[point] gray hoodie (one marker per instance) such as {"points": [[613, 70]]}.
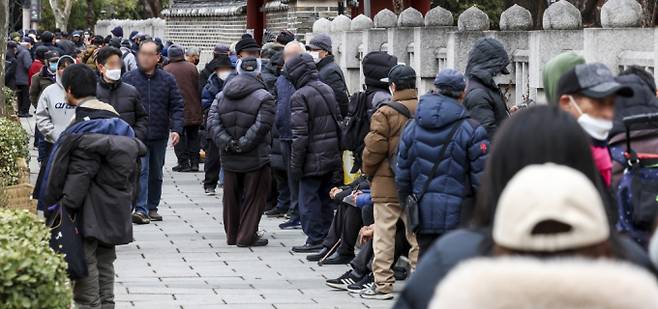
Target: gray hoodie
{"points": [[53, 114]]}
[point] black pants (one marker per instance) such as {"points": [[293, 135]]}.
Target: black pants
{"points": [[23, 95], [187, 150], [345, 226], [211, 166], [244, 203], [283, 190], [425, 242], [362, 262], [293, 184], [315, 207]]}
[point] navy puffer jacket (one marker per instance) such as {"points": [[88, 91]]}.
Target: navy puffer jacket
{"points": [[162, 101], [315, 144], [458, 175]]}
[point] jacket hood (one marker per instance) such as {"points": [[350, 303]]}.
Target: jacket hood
{"points": [[643, 101], [486, 59], [301, 70], [436, 111], [242, 85], [376, 66], [554, 69], [521, 282]]}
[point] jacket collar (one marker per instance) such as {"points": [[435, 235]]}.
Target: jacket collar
{"points": [[93, 103], [155, 73], [324, 61], [105, 84], [406, 94]]}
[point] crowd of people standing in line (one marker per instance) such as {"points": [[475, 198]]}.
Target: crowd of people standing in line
{"points": [[418, 182]]}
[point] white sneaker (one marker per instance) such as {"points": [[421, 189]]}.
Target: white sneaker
{"points": [[371, 293]]}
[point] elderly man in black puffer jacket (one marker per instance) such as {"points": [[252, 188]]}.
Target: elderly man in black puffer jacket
{"points": [[125, 98], [239, 122], [315, 155]]}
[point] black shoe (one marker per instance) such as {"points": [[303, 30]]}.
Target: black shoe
{"points": [[336, 259], [275, 213], [259, 242], [318, 256], [193, 168], [400, 273], [153, 214], [140, 218], [342, 282], [292, 224], [307, 248], [366, 282], [178, 168], [24, 116], [210, 191]]}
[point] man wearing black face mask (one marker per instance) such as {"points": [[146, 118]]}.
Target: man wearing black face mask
{"points": [[588, 93]]}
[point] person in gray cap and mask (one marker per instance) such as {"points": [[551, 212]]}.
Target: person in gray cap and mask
{"points": [[329, 72], [239, 122]]}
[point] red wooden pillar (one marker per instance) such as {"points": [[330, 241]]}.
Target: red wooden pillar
{"points": [[255, 18], [422, 5]]}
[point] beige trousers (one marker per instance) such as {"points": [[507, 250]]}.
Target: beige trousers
{"points": [[386, 217]]}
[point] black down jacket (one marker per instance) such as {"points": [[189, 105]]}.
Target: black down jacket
{"points": [[96, 177], [484, 100], [239, 121], [331, 75], [315, 115], [126, 100]]}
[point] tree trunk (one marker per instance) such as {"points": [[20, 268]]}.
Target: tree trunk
{"points": [[648, 12], [61, 11], [155, 6], [147, 9], [90, 14], [4, 23]]}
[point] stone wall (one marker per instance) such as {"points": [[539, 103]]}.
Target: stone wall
{"points": [[153, 26], [433, 42]]}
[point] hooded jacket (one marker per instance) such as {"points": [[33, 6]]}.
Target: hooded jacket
{"points": [[381, 144], [332, 75], [243, 113], [644, 137], [126, 101], [161, 100], [315, 115], [484, 100], [458, 174], [40, 82], [93, 171], [187, 80], [269, 75], [53, 113], [523, 282]]}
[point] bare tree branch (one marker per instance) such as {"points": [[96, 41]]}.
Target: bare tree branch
{"points": [[62, 11]]}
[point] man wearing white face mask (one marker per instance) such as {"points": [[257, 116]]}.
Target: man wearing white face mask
{"points": [[123, 97], [320, 49], [588, 93]]}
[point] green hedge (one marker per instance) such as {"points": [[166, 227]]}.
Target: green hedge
{"points": [[10, 100], [13, 145], [31, 274]]}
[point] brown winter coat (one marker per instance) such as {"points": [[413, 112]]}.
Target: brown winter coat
{"points": [[381, 143], [187, 79], [89, 56], [521, 282], [38, 84]]}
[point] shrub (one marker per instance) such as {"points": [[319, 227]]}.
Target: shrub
{"points": [[13, 145], [10, 100], [31, 274]]}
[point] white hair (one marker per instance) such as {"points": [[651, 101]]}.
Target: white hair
{"points": [[193, 51], [296, 45]]}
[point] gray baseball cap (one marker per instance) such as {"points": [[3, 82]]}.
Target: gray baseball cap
{"points": [[593, 80]]}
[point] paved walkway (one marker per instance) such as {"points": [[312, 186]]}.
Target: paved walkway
{"points": [[184, 261]]}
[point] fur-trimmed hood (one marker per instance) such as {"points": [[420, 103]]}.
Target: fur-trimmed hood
{"points": [[517, 282]]}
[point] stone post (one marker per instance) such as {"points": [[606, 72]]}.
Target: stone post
{"points": [[374, 39], [401, 38], [620, 43], [430, 45], [471, 25], [339, 25], [562, 32]]}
